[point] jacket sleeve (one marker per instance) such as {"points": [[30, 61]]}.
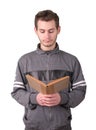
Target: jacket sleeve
{"points": [[20, 93], [78, 87]]}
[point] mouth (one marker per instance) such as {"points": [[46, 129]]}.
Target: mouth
{"points": [[47, 41]]}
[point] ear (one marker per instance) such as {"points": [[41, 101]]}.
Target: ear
{"points": [[35, 29], [59, 29]]}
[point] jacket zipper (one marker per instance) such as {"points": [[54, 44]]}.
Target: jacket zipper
{"points": [[48, 56]]}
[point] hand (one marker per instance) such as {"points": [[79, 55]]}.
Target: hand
{"points": [[49, 99]]}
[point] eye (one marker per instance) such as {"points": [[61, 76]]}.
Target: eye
{"points": [[51, 30], [42, 31]]}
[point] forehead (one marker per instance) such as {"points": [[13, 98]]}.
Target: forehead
{"points": [[46, 24]]}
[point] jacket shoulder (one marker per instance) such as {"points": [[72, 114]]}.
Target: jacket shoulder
{"points": [[68, 56], [26, 56]]}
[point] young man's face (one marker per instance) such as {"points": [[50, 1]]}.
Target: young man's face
{"points": [[47, 34]]}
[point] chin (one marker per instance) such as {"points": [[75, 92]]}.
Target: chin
{"points": [[48, 44]]}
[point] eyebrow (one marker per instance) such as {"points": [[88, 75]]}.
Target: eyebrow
{"points": [[48, 29]]}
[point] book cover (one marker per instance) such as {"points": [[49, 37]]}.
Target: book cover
{"points": [[50, 88]]}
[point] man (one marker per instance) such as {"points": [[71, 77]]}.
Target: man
{"points": [[46, 63]]}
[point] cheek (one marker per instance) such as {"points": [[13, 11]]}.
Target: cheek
{"points": [[40, 36], [54, 35]]}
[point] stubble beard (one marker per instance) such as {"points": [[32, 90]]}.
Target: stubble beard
{"points": [[49, 44]]}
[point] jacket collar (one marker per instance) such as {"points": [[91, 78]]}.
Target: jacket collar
{"points": [[39, 51]]}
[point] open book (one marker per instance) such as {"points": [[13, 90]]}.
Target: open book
{"points": [[50, 88]]}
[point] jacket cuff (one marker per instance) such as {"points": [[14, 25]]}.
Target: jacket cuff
{"points": [[64, 98], [32, 98]]}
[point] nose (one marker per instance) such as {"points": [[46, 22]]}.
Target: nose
{"points": [[47, 35]]}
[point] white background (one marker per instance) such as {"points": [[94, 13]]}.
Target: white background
{"points": [[17, 37]]}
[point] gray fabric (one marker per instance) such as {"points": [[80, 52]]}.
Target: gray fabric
{"points": [[47, 66], [67, 127]]}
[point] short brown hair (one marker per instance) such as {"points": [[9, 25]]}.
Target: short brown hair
{"points": [[46, 15]]}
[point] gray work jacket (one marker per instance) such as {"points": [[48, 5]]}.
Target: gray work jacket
{"points": [[47, 66]]}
